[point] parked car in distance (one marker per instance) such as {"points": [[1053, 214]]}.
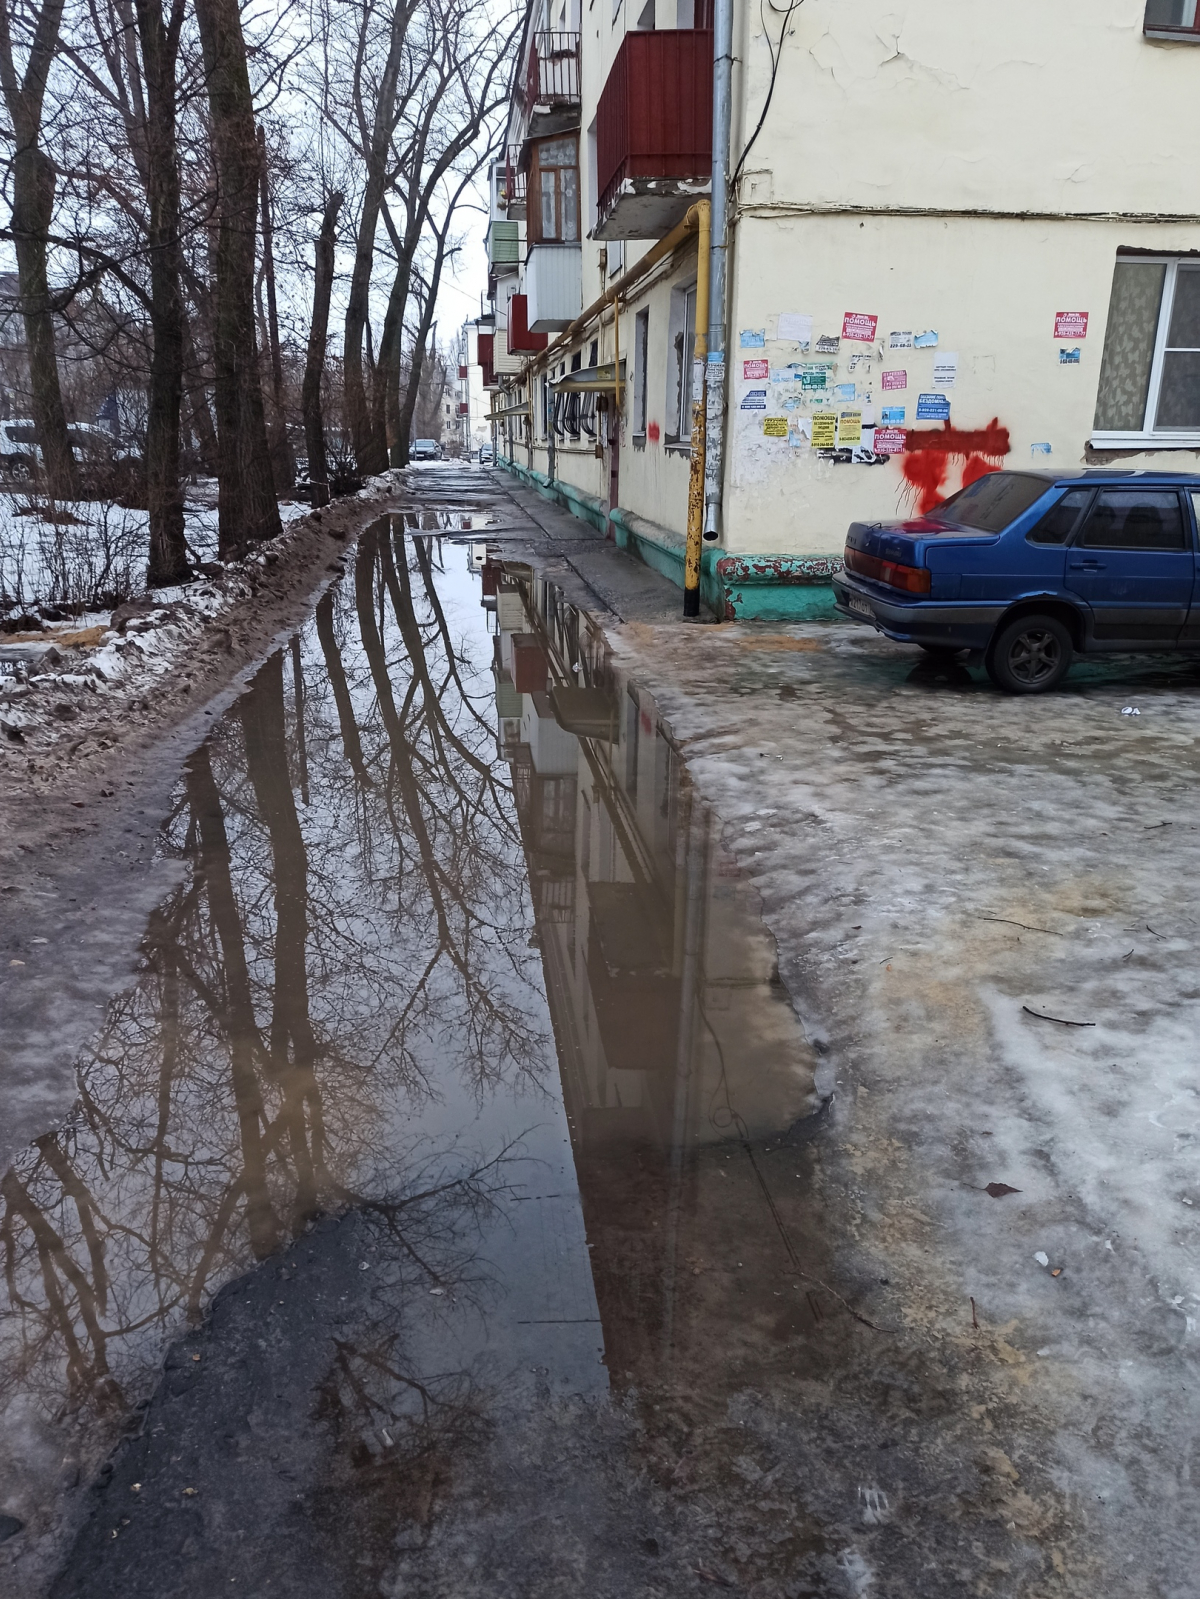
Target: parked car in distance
{"points": [[425, 450], [19, 452], [1033, 568], [485, 455]]}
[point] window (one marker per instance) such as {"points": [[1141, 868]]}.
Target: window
{"points": [[993, 502], [1166, 18], [641, 351], [1150, 374], [1059, 521], [683, 347], [554, 217], [1135, 519]]}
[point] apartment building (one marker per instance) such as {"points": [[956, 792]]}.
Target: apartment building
{"points": [[955, 240]]}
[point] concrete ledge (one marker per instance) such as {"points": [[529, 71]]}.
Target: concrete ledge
{"points": [[769, 588]]}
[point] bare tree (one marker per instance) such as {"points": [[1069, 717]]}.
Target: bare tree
{"points": [[34, 179], [318, 339], [248, 510]]}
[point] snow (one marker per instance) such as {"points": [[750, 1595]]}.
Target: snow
{"points": [[936, 861]]}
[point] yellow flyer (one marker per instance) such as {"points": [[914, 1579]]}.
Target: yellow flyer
{"points": [[850, 427], [824, 430]]}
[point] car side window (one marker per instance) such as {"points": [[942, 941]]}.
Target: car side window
{"points": [[1135, 519], [1059, 521]]}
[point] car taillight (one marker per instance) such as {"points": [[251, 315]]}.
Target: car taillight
{"points": [[912, 579]]}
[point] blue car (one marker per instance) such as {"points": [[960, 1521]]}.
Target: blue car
{"points": [[1032, 568]]}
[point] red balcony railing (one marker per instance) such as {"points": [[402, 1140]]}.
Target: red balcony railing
{"points": [[552, 76], [519, 336], [514, 179], [654, 119], [485, 360]]}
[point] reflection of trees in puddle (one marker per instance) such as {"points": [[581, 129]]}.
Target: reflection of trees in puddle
{"points": [[322, 972]]}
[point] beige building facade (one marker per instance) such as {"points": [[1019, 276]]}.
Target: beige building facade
{"points": [[956, 241]]}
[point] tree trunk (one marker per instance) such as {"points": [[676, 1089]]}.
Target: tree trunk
{"points": [[385, 409], [283, 461], [405, 420], [164, 490], [197, 396], [32, 213], [314, 366], [248, 511], [367, 451]]}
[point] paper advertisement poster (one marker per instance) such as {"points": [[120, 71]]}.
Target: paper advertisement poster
{"points": [[850, 427], [785, 374], [1071, 324], [945, 371], [900, 341], [893, 416], [824, 430], [755, 400], [860, 326], [755, 369], [775, 427], [814, 377], [844, 393], [897, 378], [828, 344], [925, 341], [1069, 357], [889, 440], [753, 338], [933, 407], [794, 326]]}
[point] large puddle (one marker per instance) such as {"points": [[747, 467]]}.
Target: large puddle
{"points": [[459, 1009]]}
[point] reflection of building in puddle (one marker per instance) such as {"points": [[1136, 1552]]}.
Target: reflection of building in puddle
{"points": [[675, 1034]]}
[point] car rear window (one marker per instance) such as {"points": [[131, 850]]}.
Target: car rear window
{"points": [[1059, 521], [991, 503]]}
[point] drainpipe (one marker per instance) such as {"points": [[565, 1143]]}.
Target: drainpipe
{"points": [[716, 369], [695, 519]]}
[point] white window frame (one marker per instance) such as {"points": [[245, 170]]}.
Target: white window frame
{"points": [[641, 376], [1156, 438]]}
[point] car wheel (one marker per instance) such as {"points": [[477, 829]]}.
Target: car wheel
{"points": [[941, 652], [1030, 655]]}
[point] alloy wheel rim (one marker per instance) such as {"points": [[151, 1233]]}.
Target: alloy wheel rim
{"points": [[1034, 656]]}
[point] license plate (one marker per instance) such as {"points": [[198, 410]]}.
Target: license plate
{"points": [[860, 606]]}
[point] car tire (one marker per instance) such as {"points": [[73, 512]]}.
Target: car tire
{"points": [[942, 652], [1031, 655]]}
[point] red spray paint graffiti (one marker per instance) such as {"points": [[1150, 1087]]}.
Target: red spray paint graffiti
{"points": [[930, 452]]}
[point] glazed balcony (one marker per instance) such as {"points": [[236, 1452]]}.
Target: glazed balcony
{"points": [[654, 133]]}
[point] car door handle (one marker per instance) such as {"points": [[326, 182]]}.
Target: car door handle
{"points": [[1087, 566]]}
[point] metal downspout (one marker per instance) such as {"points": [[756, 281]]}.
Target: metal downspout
{"points": [[716, 367], [695, 519]]}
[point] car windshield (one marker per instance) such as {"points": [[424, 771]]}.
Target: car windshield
{"points": [[991, 503]]}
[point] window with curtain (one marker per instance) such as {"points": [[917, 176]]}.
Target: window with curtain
{"points": [[1150, 372], [555, 215]]}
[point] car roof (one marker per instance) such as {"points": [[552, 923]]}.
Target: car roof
{"points": [[1108, 474]]}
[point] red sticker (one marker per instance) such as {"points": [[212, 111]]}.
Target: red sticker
{"points": [[755, 369], [1070, 324], [896, 379], [889, 441], [858, 325]]}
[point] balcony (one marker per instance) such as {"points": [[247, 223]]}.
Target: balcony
{"points": [[513, 184], [654, 133], [553, 286], [552, 84], [519, 336], [504, 246]]}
